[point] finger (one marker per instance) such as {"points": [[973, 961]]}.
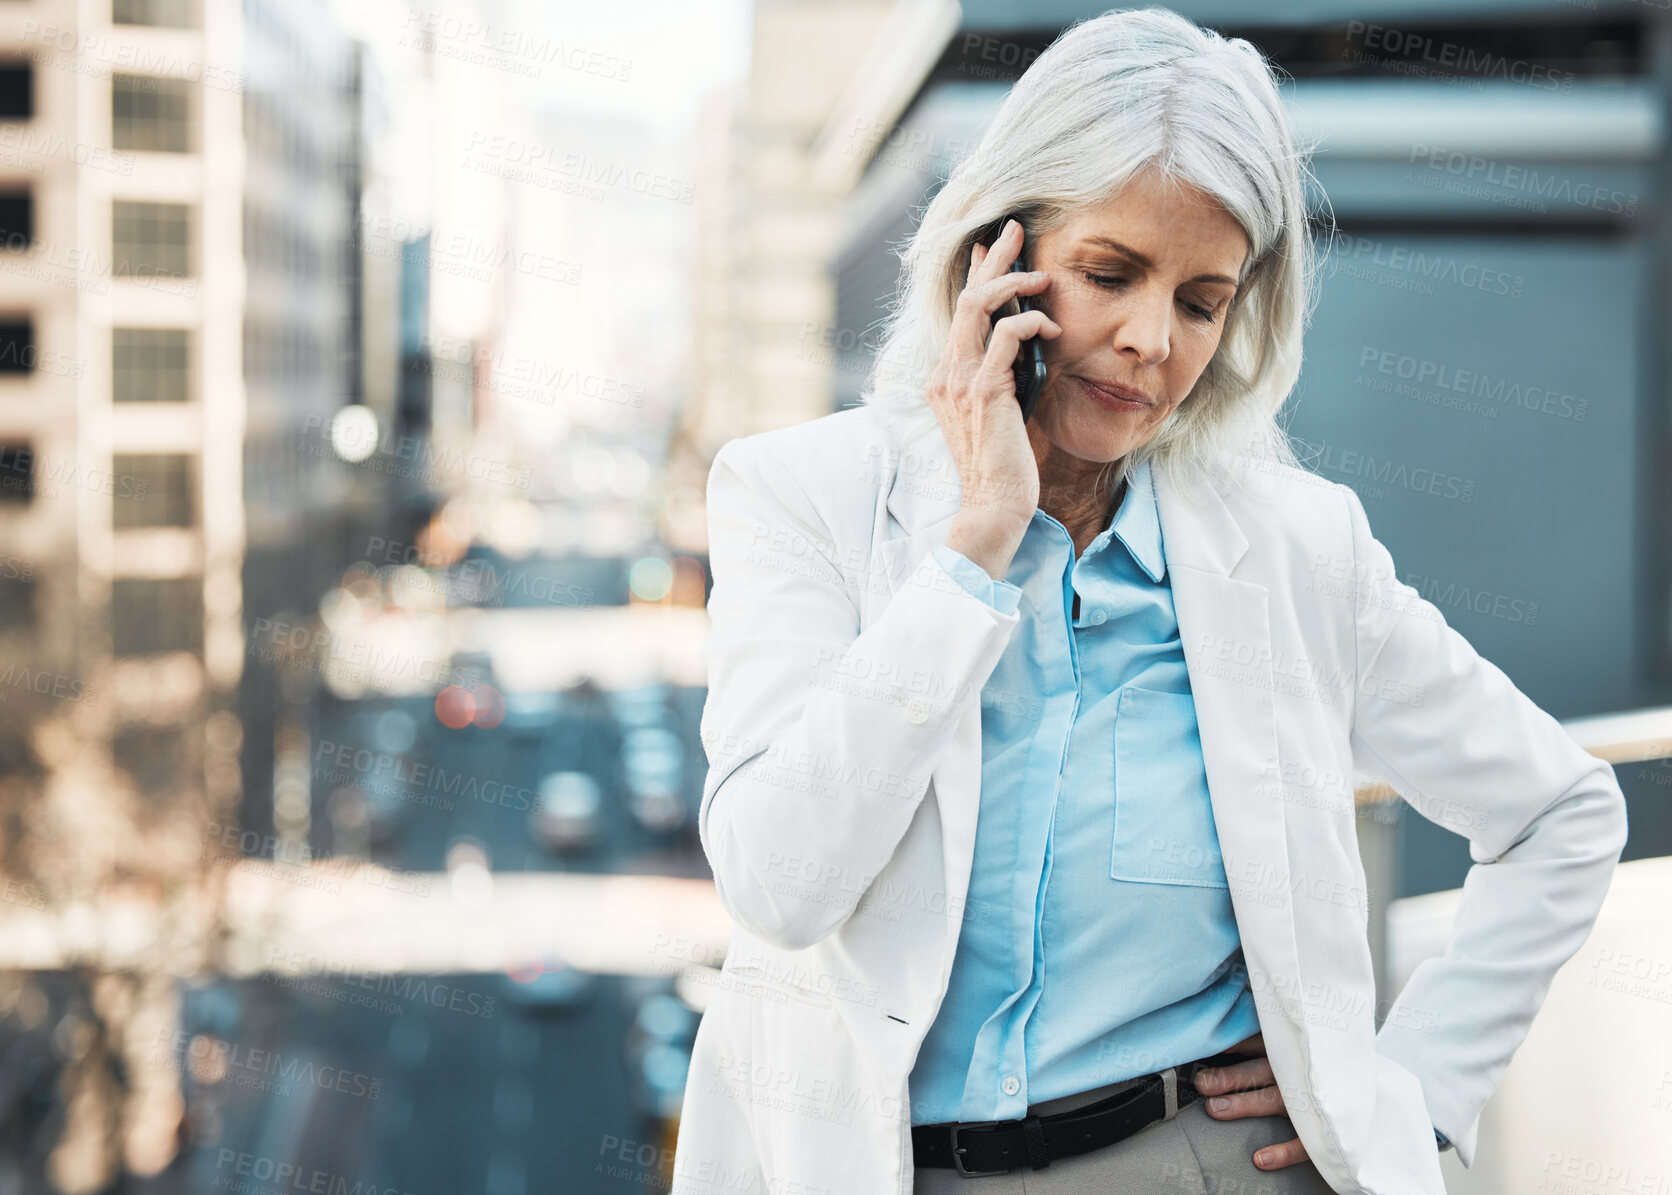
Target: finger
{"points": [[996, 259], [1275, 1157], [972, 318], [980, 301], [967, 338], [994, 373], [1009, 332], [1267, 1101], [996, 292], [1250, 1045], [1024, 324], [1239, 1076]]}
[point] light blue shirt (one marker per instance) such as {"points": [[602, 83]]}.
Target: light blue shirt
{"points": [[1098, 939]]}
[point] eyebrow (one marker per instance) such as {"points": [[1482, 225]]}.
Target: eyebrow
{"points": [[1140, 260]]}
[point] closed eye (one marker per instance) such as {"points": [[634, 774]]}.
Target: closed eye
{"points": [[1111, 282]]}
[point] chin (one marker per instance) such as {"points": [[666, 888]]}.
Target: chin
{"points": [[1101, 444], [1092, 433]]}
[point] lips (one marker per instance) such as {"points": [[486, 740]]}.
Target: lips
{"points": [[1119, 392]]}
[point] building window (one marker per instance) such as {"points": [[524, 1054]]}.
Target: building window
{"points": [[151, 113], [17, 220], [17, 90], [150, 239], [153, 490], [17, 595], [17, 346], [170, 14], [17, 473], [156, 614], [150, 365]]}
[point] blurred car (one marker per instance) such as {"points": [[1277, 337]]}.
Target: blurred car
{"points": [[653, 761], [568, 814], [551, 985]]}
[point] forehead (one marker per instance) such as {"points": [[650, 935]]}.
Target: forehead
{"points": [[1172, 223]]}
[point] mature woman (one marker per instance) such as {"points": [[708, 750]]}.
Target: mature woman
{"points": [[1033, 745]]}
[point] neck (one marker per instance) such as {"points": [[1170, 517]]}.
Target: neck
{"points": [[1076, 493]]}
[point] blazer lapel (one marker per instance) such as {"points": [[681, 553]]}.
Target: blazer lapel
{"points": [[1226, 633]]}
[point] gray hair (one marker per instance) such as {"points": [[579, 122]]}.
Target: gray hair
{"points": [[1115, 94]]}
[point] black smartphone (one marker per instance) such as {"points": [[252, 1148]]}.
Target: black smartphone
{"points": [[1029, 367]]}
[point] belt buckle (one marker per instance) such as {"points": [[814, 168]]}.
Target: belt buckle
{"points": [[958, 1159]]}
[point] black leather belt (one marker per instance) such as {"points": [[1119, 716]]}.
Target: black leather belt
{"points": [[998, 1147]]}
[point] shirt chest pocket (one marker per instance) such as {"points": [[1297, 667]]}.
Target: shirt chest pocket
{"points": [[1164, 831]]}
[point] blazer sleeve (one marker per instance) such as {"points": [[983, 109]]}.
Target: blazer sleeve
{"points": [[1001, 595], [820, 738], [1545, 820]]}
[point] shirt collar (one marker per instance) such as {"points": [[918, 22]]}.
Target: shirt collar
{"points": [[1138, 524]]}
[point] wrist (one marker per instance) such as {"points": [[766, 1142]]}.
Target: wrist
{"points": [[987, 540]]}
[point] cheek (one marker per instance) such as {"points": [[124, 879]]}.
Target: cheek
{"points": [[1202, 350], [1087, 315], [1080, 334]]}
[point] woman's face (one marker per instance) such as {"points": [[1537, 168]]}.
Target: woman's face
{"points": [[1139, 285]]}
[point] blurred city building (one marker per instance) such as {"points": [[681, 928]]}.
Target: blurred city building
{"points": [[123, 511], [124, 516], [319, 319], [769, 223], [186, 299]]}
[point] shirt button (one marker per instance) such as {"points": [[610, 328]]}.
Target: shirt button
{"points": [[1099, 617], [917, 711], [1011, 1086]]}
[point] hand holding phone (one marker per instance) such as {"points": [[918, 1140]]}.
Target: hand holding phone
{"points": [[998, 471], [1029, 367]]}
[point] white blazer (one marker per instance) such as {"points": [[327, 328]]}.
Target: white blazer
{"points": [[843, 731]]}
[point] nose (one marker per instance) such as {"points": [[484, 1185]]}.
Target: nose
{"points": [[1145, 333]]}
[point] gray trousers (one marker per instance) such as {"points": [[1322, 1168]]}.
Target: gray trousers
{"points": [[1189, 1153]]}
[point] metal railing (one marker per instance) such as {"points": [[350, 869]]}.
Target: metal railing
{"points": [[1630, 736]]}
